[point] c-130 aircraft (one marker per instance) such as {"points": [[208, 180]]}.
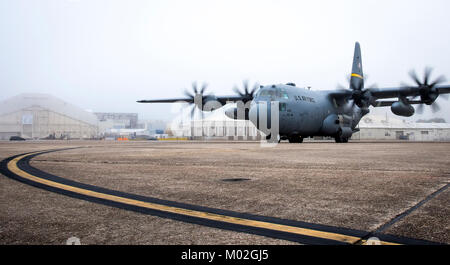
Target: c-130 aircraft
{"points": [[306, 113]]}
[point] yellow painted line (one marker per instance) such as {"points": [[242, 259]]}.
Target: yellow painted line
{"points": [[12, 166], [356, 75]]}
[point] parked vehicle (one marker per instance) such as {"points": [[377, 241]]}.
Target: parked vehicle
{"points": [[16, 138]]}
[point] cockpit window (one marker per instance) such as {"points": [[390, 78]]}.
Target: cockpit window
{"points": [[267, 92], [274, 93]]}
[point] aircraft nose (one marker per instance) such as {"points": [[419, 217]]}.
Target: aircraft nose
{"points": [[259, 115], [253, 114]]}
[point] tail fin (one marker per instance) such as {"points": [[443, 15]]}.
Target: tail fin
{"points": [[357, 77]]}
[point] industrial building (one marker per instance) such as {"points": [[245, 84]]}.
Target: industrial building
{"points": [[375, 127], [226, 129], [42, 116], [113, 125], [117, 120]]}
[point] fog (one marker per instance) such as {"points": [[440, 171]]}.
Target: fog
{"points": [[105, 55]]}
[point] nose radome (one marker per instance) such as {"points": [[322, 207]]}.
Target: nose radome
{"points": [[259, 115], [253, 114]]}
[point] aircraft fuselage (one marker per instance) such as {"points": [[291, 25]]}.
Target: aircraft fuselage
{"points": [[303, 112]]}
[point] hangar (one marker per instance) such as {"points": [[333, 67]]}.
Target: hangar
{"points": [[42, 116], [215, 125], [374, 127]]}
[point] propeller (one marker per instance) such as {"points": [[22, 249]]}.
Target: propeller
{"points": [[428, 92], [198, 98], [247, 95], [358, 94]]}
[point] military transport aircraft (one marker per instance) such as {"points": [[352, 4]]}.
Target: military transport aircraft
{"points": [[307, 113]]}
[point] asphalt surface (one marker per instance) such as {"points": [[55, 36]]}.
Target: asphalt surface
{"points": [[362, 187]]}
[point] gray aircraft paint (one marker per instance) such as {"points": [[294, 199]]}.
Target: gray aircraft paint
{"points": [[301, 116]]}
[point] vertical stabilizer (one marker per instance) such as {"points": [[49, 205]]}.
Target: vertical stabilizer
{"points": [[357, 76]]}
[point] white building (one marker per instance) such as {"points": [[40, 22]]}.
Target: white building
{"points": [[39, 116], [373, 127], [215, 126]]}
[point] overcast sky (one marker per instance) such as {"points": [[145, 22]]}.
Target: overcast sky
{"points": [[105, 55]]}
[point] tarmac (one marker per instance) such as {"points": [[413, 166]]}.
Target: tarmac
{"points": [[194, 192]]}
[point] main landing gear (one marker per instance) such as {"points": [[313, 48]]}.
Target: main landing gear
{"points": [[339, 138]]}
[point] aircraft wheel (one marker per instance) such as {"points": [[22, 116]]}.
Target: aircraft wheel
{"points": [[277, 140], [296, 139], [339, 139]]}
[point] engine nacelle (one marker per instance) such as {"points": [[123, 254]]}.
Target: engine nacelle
{"points": [[234, 113], [401, 109], [207, 103], [331, 125]]}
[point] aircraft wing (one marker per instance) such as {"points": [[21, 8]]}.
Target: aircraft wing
{"points": [[388, 103], [170, 100], [406, 91], [222, 99], [199, 95], [372, 96]]}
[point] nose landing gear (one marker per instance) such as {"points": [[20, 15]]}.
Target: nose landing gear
{"points": [[295, 139], [276, 140]]}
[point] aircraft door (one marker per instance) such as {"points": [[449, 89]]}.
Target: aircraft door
{"points": [[286, 116]]}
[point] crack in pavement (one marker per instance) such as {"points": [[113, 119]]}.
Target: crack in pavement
{"points": [[405, 213]]}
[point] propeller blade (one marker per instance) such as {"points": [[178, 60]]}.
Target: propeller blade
{"points": [[435, 107], [246, 94], [255, 87], [351, 104], [204, 86], [236, 90], [187, 94], [194, 87], [374, 85], [403, 84], [348, 78], [440, 79], [341, 87], [413, 75], [420, 109], [245, 84], [193, 111], [426, 75]]}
